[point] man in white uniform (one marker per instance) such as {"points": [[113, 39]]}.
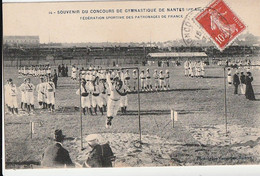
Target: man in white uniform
{"points": [[6, 89], [135, 79], [29, 90], [167, 80], [50, 94], [96, 96], [12, 96], [148, 83], [124, 98], [156, 79], [126, 79], [23, 99], [85, 99], [40, 89], [142, 80], [74, 73], [113, 102], [161, 80]]}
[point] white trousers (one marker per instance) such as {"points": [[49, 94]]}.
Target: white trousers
{"points": [[123, 101], [85, 102], [112, 107], [50, 98], [96, 100], [243, 89], [13, 101], [29, 98]]}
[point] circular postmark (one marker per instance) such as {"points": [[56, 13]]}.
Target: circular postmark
{"points": [[193, 33]]}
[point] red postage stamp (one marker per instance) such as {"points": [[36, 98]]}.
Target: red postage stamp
{"points": [[220, 23]]}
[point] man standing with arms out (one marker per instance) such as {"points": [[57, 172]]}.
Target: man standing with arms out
{"points": [[148, 84], [50, 94], [12, 96], [55, 79], [29, 89], [23, 97], [142, 79], [236, 82], [135, 79], [40, 89], [156, 80], [243, 83], [55, 155], [85, 100]]}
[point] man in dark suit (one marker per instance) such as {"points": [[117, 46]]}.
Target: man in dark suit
{"points": [[55, 155], [236, 81], [55, 78]]}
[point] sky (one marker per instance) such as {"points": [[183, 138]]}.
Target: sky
{"points": [[34, 19]]}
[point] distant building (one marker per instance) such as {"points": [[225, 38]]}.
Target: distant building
{"points": [[21, 40]]}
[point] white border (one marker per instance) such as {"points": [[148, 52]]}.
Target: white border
{"points": [[236, 170]]}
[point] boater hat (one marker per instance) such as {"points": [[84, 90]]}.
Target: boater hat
{"points": [[92, 139]]}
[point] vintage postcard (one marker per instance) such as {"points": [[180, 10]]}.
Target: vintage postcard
{"points": [[127, 84]]}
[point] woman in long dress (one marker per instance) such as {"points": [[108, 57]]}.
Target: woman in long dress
{"points": [[249, 88]]}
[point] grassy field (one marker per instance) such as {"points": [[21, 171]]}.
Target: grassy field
{"points": [[198, 137]]}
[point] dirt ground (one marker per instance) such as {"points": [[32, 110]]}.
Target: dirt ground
{"points": [[198, 138]]}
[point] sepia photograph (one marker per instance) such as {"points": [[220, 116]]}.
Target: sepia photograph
{"points": [[126, 84]]}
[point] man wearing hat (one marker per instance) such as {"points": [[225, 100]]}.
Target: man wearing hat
{"points": [[100, 155], [55, 155], [236, 82]]}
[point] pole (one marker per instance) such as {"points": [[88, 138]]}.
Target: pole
{"points": [[31, 129], [225, 99], [139, 106], [80, 110]]}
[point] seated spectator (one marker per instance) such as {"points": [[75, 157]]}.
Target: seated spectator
{"points": [[100, 155], [55, 155]]}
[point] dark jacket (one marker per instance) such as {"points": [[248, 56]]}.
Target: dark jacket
{"points": [[56, 156], [243, 79], [100, 156], [236, 79], [55, 77]]}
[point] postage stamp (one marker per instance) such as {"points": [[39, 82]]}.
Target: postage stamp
{"points": [[222, 25]]}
